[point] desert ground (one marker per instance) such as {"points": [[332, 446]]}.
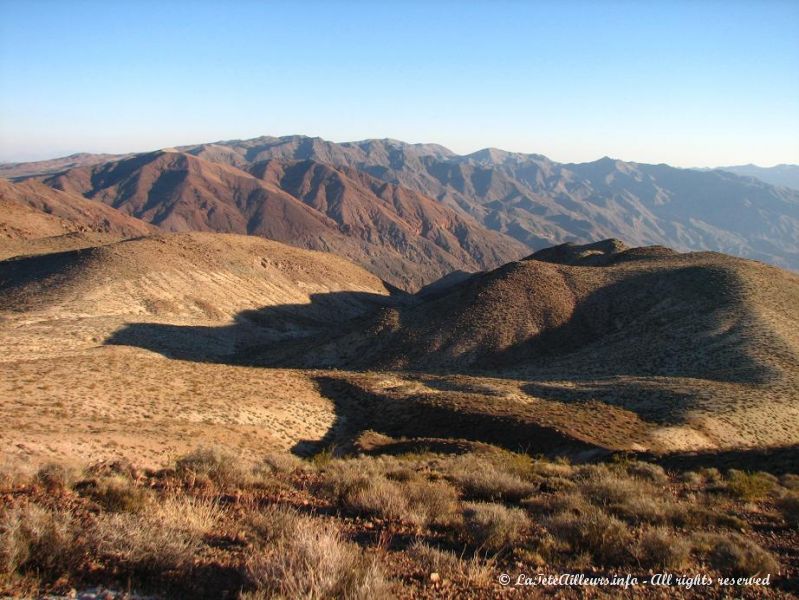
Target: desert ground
{"points": [[199, 415]]}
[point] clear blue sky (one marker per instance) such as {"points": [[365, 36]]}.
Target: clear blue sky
{"points": [[688, 83]]}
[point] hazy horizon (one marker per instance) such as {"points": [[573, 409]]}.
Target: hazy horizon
{"points": [[45, 157], [705, 84]]}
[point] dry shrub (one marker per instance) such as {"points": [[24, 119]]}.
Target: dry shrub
{"points": [[788, 504], [481, 479], [663, 549], [54, 477], [733, 554], [748, 486], [314, 561], [447, 564], [214, 464], [711, 475], [790, 481], [494, 527], [606, 488], [593, 532], [692, 479], [569, 501], [647, 471], [270, 525], [116, 494], [33, 538], [557, 484], [281, 463], [560, 468], [162, 539], [361, 486]]}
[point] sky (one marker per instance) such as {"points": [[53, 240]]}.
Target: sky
{"points": [[694, 83]]}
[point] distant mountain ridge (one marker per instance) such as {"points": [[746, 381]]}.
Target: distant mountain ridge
{"points": [[527, 197], [782, 175], [402, 236]]}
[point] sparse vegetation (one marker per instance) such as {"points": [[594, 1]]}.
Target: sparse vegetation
{"points": [[493, 527], [310, 559], [381, 525]]}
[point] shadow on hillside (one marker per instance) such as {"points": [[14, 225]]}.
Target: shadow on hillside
{"points": [[358, 410], [269, 335], [617, 338], [660, 403]]}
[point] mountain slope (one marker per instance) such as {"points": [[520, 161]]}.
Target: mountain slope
{"points": [[781, 175], [193, 275], [32, 210], [402, 236], [540, 202], [701, 348]]}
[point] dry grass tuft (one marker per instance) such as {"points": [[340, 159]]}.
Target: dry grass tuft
{"points": [[54, 477], [494, 527], [116, 494], [661, 548], [788, 504], [482, 479], [312, 560], [159, 540], [364, 487], [733, 554], [213, 464], [474, 570], [36, 539], [593, 532], [748, 486]]}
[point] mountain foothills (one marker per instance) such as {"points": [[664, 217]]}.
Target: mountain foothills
{"points": [[411, 213]]}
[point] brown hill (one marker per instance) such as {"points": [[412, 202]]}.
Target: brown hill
{"points": [[31, 210], [54, 165], [702, 345], [68, 391], [402, 236], [194, 275]]}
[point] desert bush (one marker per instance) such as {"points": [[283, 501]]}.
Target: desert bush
{"points": [[661, 548], [447, 564], [378, 496], [481, 479], [790, 481], [593, 532], [748, 486], [314, 561], [165, 538], [733, 554], [280, 463], [569, 501], [553, 469], [647, 471], [788, 504], [557, 484], [493, 526], [270, 525], [604, 487], [692, 516], [115, 494], [711, 475], [361, 486], [33, 538], [214, 464], [692, 478], [54, 477]]}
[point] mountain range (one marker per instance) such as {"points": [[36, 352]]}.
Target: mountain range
{"points": [[412, 213]]}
